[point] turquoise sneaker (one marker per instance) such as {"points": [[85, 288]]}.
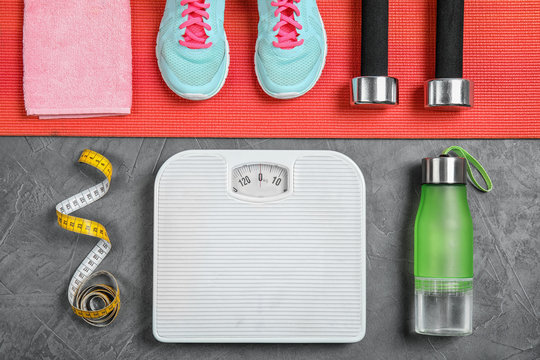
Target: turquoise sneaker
{"points": [[291, 47], [192, 48]]}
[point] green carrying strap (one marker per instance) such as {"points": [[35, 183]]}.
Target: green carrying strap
{"points": [[461, 152]]}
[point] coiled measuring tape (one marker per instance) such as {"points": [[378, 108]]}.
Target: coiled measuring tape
{"points": [[97, 304]]}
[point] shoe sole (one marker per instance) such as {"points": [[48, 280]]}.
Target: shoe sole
{"points": [[292, 95], [193, 96]]}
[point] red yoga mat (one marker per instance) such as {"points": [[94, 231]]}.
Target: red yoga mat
{"points": [[501, 55]]}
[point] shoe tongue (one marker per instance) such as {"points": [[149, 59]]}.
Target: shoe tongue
{"points": [[287, 28], [197, 29]]}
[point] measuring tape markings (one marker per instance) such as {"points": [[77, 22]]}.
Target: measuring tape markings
{"points": [[80, 297]]}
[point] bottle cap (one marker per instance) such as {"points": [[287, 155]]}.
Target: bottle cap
{"points": [[444, 170]]}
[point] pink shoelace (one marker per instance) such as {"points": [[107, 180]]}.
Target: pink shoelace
{"points": [[287, 37], [195, 36]]}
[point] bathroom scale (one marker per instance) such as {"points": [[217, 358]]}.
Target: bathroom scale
{"points": [[259, 246]]}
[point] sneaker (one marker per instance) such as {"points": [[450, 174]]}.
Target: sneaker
{"points": [[192, 49], [291, 47]]}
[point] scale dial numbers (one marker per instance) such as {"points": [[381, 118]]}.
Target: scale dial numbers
{"points": [[260, 180]]}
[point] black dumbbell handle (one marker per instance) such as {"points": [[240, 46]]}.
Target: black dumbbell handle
{"points": [[449, 58], [374, 38]]}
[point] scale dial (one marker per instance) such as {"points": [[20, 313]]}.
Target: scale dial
{"points": [[260, 180]]}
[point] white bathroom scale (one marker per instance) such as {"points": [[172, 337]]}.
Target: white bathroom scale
{"points": [[259, 246]]}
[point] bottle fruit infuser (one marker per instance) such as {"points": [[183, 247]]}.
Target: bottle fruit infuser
{"points": [[443, 245]]}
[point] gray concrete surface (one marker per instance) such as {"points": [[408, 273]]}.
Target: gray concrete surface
{"points": [[37, 258]]}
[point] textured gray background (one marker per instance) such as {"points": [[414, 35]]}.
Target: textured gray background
{"points": [[37, 258]]}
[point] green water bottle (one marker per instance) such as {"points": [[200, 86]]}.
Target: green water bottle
{"points": [[443, 246]]}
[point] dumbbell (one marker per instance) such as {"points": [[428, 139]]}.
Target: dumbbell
{"points": [[449, 91], [374, 87]]}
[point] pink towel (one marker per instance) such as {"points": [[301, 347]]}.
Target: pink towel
{"points": [[77, 58]]}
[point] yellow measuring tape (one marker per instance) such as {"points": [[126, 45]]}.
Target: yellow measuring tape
{"points": [[97, 304]]}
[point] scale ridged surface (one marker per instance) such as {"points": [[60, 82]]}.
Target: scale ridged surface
{"points": [[234, 271]]}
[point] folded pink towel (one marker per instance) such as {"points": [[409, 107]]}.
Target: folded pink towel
{"points": [[77, 58]]}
